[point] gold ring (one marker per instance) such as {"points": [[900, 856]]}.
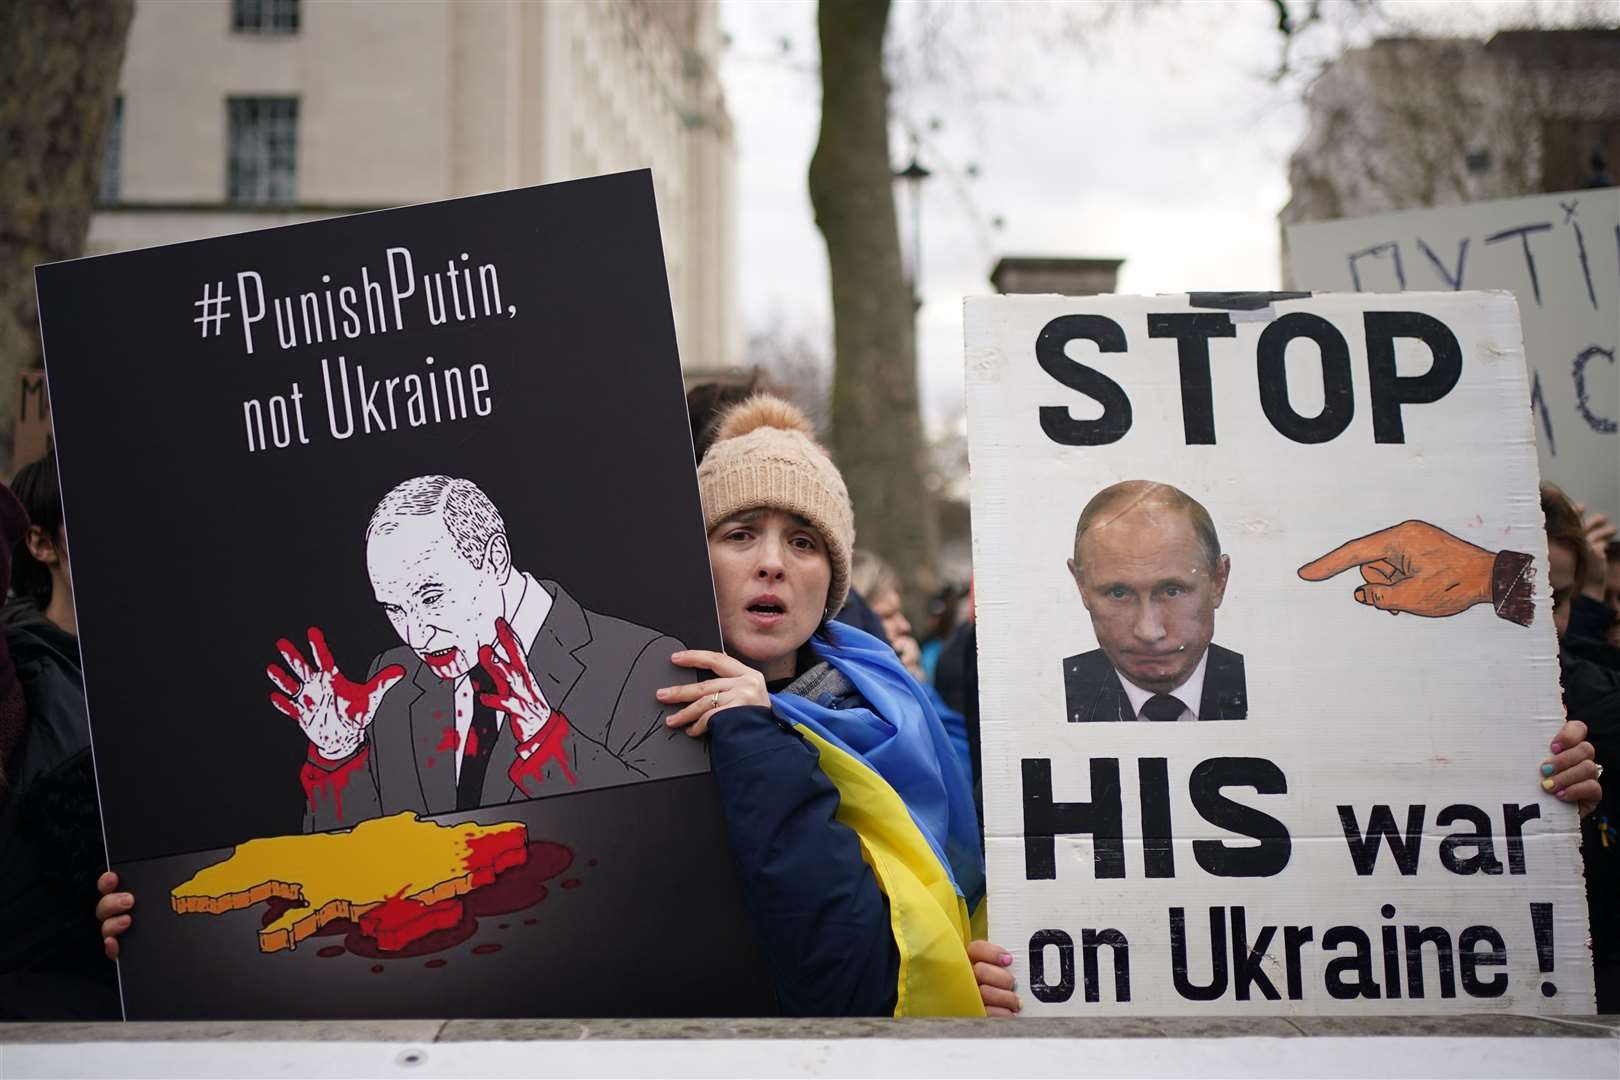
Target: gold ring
{"points": [[717, 699]]}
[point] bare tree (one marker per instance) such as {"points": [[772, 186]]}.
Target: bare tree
{"points": [[795, 366], [59, 65], [877, 425]]}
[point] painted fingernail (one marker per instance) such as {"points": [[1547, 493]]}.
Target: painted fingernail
{"points": [[1018, 1004], [1561, 793], [1558, 748], [1005, 959], [1547, 784], [1546, 770], [1015, 983]]}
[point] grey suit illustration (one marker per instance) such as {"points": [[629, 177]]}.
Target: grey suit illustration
{"points": [[504, 688]]}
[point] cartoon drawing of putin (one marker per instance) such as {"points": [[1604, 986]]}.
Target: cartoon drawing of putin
{"points": [[1151, 573], [505, 687]]}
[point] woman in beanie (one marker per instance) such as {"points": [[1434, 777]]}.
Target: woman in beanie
{"points": [[850, 818]]}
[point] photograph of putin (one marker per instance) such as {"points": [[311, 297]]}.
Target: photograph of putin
{"points": [[1150, 571]]}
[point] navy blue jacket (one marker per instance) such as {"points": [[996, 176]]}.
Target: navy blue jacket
{"points": [[815, 904]]}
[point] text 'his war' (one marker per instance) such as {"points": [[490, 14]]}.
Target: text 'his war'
{"points": [[1468, 849]]}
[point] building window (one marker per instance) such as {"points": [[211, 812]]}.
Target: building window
{"points": [[264, 16], [107, 188], [263, 165]]}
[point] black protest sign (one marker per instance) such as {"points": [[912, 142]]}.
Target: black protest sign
{"points": [[384, 529]]}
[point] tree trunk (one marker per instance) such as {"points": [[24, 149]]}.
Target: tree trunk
{"points": [[59, 66], [876, 424]]}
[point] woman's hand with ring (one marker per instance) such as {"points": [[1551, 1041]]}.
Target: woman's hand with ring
{"points": [[734, 684]]}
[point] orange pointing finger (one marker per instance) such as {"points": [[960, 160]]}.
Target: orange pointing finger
{"points": [[1366, 549]]}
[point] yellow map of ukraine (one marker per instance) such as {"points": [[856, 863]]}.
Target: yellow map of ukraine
{"points": [[397, 877]]}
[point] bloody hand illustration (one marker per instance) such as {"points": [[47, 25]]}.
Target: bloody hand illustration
{"points": [[1412, 567], [333, 709], [516, 692]]}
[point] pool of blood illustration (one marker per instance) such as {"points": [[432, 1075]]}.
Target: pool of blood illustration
{"points": [[515, 889]]}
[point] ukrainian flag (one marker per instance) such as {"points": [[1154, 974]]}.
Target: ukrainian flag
{"points": [[902, 789]]}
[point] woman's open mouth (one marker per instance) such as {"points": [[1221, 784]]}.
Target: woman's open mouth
{"points": [[766, 612]]}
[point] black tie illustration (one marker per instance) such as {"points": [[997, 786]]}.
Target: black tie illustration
{"points": [[479, 745], [1157, 707]]}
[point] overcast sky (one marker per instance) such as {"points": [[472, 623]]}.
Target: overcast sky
{"points": [[1153, 136]]}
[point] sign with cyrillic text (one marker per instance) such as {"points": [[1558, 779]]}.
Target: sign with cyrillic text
{"points": [[1560, 255]]}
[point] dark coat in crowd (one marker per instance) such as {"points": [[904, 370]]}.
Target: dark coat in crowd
{"points": [[829, 946], [1592, 696], [51, 965]]}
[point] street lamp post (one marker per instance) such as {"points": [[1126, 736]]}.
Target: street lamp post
{"points": [[913, 176]]}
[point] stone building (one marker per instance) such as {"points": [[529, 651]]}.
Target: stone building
{"points": [[241, 114], [1407, 122]]}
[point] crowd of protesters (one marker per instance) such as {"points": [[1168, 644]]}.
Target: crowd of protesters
{"points": [[1584, 567], [822, 688]]}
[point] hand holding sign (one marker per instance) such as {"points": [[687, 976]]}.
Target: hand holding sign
{"points": [[333, 710], [1412, 567]]}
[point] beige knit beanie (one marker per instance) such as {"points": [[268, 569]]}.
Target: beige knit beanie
{"points": [[765, 455]]}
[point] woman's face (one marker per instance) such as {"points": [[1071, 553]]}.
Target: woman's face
{"points": [[770, 581]]}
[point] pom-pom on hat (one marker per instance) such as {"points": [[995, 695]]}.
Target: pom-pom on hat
{"points": [[765, 455]]}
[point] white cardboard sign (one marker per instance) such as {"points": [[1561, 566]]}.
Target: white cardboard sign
{"points": [[1353, 825], [1560, 255]]}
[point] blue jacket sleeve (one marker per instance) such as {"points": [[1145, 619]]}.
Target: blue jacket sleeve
{"points": [[815, 904]]}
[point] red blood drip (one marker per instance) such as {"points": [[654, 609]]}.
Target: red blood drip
{"points": [[449, 740], [471, 749], [572, 883], [309, 702], [276, 907], [398, 921], [318, 781], [438, 714], [429, 762], [485, 950], [518, 886], [435, 963], [547, 747], [522, 886], [438, 941], [491, 853]]}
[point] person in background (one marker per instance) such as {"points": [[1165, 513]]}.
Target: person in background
{"points": [[1594, 610], [957, 681], [1591, 698], [942, 608], [1611, 591], [50, 826], [877, 579]]}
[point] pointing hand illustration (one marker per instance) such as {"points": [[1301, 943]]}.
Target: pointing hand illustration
{"points": [[1417, 568]]}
